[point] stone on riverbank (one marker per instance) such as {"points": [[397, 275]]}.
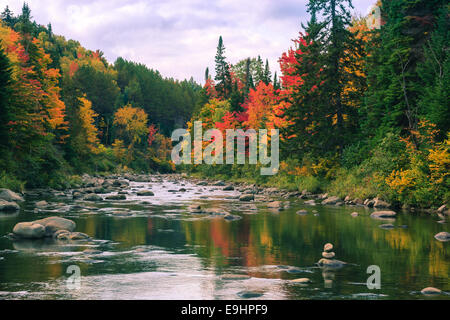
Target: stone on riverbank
{"points": [[328, 247], [331, 200], [380, 204], [11, 196], [310, 202], [8, 206]]}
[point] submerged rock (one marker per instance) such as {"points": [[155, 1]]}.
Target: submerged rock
{"points": [[249, 294], [302, 212], [230, 217], [235, 277]]}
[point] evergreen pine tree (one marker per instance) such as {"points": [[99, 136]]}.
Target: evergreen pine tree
{"points": [[223, 76], [267, 73], [5, 93]]}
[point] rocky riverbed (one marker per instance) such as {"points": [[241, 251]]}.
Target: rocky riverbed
{"points": [[239, 241]]}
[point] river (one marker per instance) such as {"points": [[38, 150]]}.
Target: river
{"points": [[153, 247]]}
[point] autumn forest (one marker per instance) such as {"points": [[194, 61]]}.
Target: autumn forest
{"points": [[362, 109]]}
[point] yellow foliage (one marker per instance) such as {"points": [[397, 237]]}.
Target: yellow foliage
{"points": [[401, 180], [90, 132]]}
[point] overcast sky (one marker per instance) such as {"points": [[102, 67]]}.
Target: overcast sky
{"points": [[177, 37]]}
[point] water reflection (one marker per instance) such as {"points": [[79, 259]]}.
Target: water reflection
{"points": [[163, 252]]}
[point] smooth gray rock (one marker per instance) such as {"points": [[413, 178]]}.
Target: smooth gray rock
{"points": [[53, 224], [383, 214], [29, 230], [8, 206], [116, 197], [8, 195], [331, 200], [442, 236], [430, 291], [145, 193], [93, 197], [331, 263], [41, 204], [247, 197], [327, 247], [328, 255]]}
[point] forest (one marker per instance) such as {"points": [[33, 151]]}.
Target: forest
{"points": [[362, 111]]}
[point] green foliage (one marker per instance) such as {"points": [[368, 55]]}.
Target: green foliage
{"points": [[11, 182]]}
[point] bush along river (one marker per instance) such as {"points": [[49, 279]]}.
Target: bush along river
{"points": [[170, 237]]}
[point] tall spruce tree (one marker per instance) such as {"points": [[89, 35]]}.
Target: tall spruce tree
{"points": [[267, 73], [309, 129], [434, 72], [395, 85], [339, 46], [223, 76], [206, 74], [5, 94]]}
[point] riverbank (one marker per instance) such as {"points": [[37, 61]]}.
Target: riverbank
{"points": [[87, 186], [291, 189]]}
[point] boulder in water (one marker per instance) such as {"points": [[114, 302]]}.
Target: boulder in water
{"points": [[53, 224], [8, 195], [442, 236], [145, 193], [383, 214], [247, 197], [8, 206], [430, 291], [29, 230]]}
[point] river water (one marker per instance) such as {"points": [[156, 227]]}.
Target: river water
{"points": [[154, 248]]}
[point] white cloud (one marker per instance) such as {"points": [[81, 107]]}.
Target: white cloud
{"points": [[176, 37]]}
